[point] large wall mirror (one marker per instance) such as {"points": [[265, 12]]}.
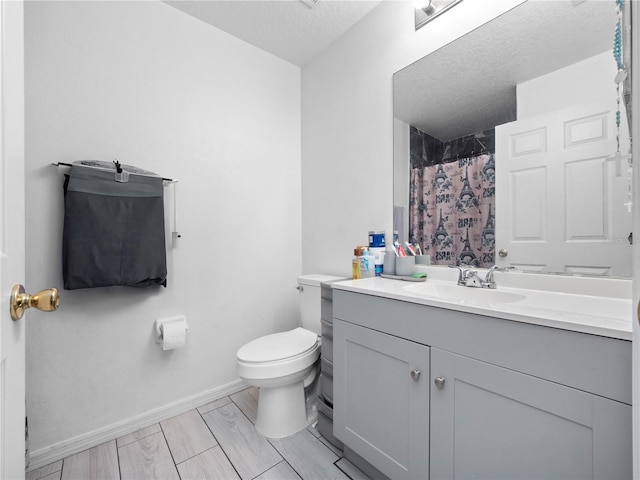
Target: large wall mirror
{"points": [[511, 143]]}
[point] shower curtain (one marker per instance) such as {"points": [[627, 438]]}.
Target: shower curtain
{"points": [[452, 211]]}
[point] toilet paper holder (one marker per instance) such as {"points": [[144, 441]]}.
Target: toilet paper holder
{"points": [[162, 321]]}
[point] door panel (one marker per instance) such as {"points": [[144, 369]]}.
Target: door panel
{"points": [[12, 333], [562, 199], [380, 411]]}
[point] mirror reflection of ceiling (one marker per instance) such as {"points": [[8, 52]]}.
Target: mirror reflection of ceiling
{"points": [[431, 93]]}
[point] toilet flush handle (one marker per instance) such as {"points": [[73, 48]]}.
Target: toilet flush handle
{"points": [[300, 288]]}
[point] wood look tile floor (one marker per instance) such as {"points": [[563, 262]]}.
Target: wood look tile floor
{"points": [[214, 441]]}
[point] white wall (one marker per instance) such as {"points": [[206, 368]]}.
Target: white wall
{"points": [[151, 86], [568, 86], [347, 128]]}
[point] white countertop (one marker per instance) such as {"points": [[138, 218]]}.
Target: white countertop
{"points": [[597, 315]]}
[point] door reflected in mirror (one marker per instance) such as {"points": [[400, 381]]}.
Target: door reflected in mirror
{"points": [[514, 138]]}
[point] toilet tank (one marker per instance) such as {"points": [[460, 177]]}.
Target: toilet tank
{"points": [[309, 299]]}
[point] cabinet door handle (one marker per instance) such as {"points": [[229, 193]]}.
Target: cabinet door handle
{"points": [[439, 381], [415, 374]]}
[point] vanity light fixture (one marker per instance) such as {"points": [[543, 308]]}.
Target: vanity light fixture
{"points": [[426, 10]]}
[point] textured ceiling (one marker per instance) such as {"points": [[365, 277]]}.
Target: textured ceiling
{"points": [[288, 29], [469, 85]]}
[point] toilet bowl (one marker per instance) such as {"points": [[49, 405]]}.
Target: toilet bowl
{"points": [[282, 365], [285, 365]]}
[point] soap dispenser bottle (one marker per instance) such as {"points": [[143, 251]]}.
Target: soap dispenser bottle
{"points": [[367, 267], [355, 264]]}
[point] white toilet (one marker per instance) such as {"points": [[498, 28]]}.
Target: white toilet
{"points": [[283, 366]]}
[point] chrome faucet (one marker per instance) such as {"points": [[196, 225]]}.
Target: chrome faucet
{"points": [[462, 274], [489, 281], [467, 277], [470, 278]]}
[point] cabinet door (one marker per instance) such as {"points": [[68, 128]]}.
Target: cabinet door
{"points": [[381, 402], [491, 422]]}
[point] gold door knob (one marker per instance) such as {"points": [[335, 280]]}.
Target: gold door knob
{"points": [[46, 300]]}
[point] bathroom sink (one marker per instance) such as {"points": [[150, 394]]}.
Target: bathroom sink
{"points": [[465, 295]]}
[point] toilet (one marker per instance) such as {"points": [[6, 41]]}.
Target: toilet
{"points": [[284, 366]]}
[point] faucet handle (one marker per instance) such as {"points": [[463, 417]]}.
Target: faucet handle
{"points": [[472, 279], [489, 281], [461, 274]]}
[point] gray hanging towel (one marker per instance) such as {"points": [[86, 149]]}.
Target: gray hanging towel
{"points": [[113, 232]]}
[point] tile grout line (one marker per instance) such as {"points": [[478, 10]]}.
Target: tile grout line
{"points": [[173, 460], [268, 441], [338, 467], [115, 441], [280, 453], [214, 436], [341, 455], [284, 459], [62, 469], [141, 438]]}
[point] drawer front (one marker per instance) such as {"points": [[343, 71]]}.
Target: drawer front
{"points": [[326, 328], [326, 387], [326, 349]]}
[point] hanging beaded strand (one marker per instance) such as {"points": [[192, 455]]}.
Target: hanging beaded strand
{"points": [[619, 79], [617, 40]]}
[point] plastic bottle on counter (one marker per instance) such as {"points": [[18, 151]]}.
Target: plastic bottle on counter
{"points": [[366, 264], [376, 238], [355, 265]]}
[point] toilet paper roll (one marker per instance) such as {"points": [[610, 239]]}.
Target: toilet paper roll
{"points": [[173, 334]]}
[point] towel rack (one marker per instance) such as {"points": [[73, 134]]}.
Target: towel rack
{"points": [[122, 172]]}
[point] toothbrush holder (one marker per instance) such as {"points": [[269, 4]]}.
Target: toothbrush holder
{"points": [[405, 266], [389, 265], [423, 260]]}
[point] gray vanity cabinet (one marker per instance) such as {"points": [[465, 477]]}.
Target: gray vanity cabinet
{"points": [[493, 398], [491, 422], [385, 418]]}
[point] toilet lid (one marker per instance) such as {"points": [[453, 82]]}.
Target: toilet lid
{"points": [[278, 346]]}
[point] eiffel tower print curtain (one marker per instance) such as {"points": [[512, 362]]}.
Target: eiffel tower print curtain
{"points": [[452, 210]]}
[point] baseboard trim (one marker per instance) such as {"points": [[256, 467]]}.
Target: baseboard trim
{"points": [[79, 443]]}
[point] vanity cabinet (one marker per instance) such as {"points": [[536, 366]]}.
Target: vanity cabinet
{"points": [[493, 398], [385, 396]]}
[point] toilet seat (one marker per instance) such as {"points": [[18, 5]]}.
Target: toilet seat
{"points": [[278, 346], [278, 354]]}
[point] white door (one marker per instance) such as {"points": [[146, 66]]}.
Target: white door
{"points": [[635, 78], [562, 200], [12, 237]]}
